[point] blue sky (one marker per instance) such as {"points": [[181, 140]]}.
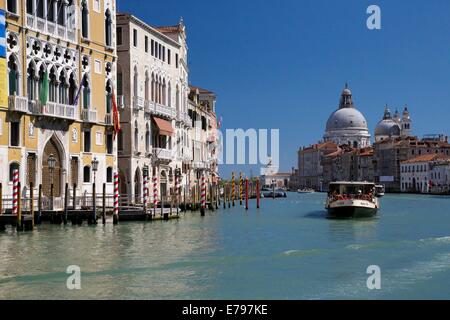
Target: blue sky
{"points": [[283, 64]]}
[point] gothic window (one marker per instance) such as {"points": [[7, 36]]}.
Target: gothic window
{"points": [[31, 82], [163, 101], [147, 138], [153, 87], [51, 10], [72, 90], [86, 94], [84, 19], [13, 72], [53, 86], [108, 92], [136, 137], [169, 95], [108, 30], [135, 83], [40, 9], [147, 80], [63, 98]]}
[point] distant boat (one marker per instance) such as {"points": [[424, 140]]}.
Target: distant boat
{"points": [[352, 200], [379, 191], [306, 190], [269, 193]]}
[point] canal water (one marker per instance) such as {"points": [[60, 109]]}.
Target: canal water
{"points": [[286, 250]]}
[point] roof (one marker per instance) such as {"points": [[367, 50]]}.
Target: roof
{"points": [[427, 158], [170, 29], [367, 152], [200, 90]]}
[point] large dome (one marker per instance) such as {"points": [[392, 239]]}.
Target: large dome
{"points": [[347, 125], [346, 118]]}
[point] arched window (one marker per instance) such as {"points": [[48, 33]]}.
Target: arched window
{"points": [[164, 102], [136, 83], [153, 87], [86, 174], [119, 80], [169, 95], [72, 90], [13, 166], [31, 82], [84, 19], [30, 7], [53, 86], [147, 138], [147, 84], [109, 175], [160, 91], [63, 98], [136, 137], [13, 72], [108, 90], [62, 13], [108, 31], [177, 101], [86, 94]]}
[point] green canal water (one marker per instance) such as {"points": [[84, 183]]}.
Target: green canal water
{"points": [[286, 250]]}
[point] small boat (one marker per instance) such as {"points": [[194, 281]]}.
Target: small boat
{"points": [[379, 191], [352, 200], [306, 190], [269, 193]]}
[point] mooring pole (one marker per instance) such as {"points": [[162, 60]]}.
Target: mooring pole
{"points": [[233, 190], [104, 204], [66, 202], [74, 200], [116, 199], [203, 197], [246, 193], [32, 204], [257, 193], [39, 204]]}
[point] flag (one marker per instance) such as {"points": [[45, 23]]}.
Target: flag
{"points": [[77, 96], [44, 90], [116, 119]]}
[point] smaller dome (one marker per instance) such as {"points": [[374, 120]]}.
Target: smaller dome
{"points": [[387, 127], [347, 92]]}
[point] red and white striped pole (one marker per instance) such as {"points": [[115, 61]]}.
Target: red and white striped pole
{"points": [[116, 199], [177, 189], [145, 192], [246, 193], [203, 196], [15, 208], [155, 191]]}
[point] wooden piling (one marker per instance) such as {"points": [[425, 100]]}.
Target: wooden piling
{"points": [[258, 195], [19, 209], [246, 193], [66, 202], [32, 204], [39, 216], [104, 204]]}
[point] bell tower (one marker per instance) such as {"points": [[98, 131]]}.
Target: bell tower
{"points": [[406, 123]]}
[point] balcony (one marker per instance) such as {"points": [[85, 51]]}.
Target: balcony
{"points": [[50, 28], [109, 119], [58, 110], [138, 103], [199, 165], [17, 103], [162, 154], [164, 111], [89, 116]]}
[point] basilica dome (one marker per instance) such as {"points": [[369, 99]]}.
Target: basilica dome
{"points": [[347, 125], [388, 127]]}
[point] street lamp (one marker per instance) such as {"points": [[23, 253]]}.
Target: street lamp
{"points": [[94, 164], [51, 166]]}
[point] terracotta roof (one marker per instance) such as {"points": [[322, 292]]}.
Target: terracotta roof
{"points": [[427, 158], [200, 90]]}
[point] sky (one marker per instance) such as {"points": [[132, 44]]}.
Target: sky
{"points": [[283, 64]]}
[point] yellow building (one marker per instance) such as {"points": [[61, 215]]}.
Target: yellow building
{"points": [[60, 80]]}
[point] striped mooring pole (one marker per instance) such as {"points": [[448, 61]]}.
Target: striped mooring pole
{"points": [[203, 196], [177, 190], [15, 208], [145, 192], [116, 199], [246, 193], [258, 195], [155, 192], [241, 182], [233, 191]]}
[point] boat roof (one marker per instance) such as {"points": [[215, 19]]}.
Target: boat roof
{"points": [[353, 183]]}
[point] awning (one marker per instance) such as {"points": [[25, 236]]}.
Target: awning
{"points": [[164, 126]]}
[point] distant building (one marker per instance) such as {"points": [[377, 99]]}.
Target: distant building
{"points": [[426, 173], [310, 164], [280, 179], [393, 127], [347, 125], [294, 182]]}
